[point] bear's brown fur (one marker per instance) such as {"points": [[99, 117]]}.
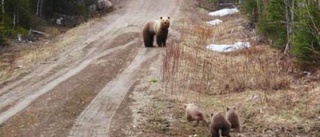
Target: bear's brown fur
{"points": [[160, 28], [233, 117], [194, 113], [219, 122]]}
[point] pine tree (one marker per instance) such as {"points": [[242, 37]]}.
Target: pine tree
{"points": [[307, 35], [251, 9], [273, 23]]}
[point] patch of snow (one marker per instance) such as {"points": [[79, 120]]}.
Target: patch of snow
{"points": [[224, 12], [308, 74], [228, 48], [195, 135], [215, 22]]}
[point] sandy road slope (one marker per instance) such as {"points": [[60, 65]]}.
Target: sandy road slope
{"points": [[78, 91]]}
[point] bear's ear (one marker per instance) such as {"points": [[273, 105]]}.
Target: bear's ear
{"points": [[168, 17], [161, 18]]}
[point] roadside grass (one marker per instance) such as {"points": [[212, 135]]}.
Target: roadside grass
{"points": [[271, 96], [19, 59]]}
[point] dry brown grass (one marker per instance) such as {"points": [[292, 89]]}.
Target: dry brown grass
{"points": [[254, 68], [23, 60], [21, 57], [261, 82]]}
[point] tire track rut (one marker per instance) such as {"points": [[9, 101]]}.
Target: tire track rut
{"points": [[96, 119]]}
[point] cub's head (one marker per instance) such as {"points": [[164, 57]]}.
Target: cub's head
{"points": [[165, 22], [189, 105], [231, 108]]}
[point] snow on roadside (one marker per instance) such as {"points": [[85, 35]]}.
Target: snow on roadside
{"points": [[228, 48], [215, 22], [224, 47], [224, 12]]}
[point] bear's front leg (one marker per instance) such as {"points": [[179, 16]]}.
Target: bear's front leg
{"points": [[159, 42], [164, 39]]}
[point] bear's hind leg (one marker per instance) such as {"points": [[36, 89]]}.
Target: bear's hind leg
{"points": [[150, 42], [215, 132], [225, 132], [148, 39]]}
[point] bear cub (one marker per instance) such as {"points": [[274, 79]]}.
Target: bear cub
{"points": [[233, 117], [194, 113], [219, 123]]}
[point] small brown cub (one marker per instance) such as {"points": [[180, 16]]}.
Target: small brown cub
{"points": [[194, 113], [233, 117], [219, 122]]}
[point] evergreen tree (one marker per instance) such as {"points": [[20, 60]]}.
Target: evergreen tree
{"points": [[251, 9], [273, 23], [306, 45]]}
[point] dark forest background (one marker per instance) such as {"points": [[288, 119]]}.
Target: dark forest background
{"points": [[19, 16]]}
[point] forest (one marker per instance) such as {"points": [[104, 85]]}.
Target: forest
{"points": [[288, 25], [18, 16]]}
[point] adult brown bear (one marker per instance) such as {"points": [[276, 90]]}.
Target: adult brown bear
{"points": [[160, 28]]}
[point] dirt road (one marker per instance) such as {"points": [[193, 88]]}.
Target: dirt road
{"points": [[77, 92]]}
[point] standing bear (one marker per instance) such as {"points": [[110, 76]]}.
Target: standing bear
{"points": [[160, 28]]}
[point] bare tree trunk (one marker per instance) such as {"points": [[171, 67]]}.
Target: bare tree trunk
{"points": [[38, 8], [41, 8], [289, 5], [287, 26], [2, 3], [16, 14], [14, 21]]}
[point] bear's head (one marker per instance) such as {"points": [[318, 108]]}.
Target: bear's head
{"points": [[165, 22]]}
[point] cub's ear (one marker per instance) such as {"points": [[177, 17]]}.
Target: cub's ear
{"points": [[168, 17], [185, 106], [161, 18], [228, 108]]}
